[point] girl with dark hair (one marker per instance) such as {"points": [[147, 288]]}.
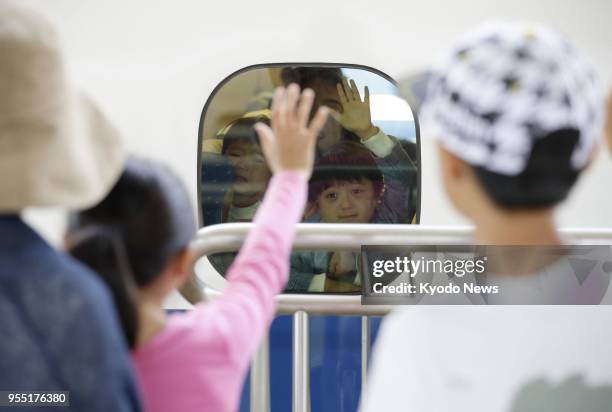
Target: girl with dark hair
{"points": [[137, 240], [131, 236]]}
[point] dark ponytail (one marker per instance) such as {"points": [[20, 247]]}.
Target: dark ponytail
{"points": [[101, 249], [134, 233]]}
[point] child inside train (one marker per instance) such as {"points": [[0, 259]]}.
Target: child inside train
{"points": [[346, 187], [351, 120], [235, 180], [137, 240]]}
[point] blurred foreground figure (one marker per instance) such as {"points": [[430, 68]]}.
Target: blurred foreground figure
{"points": [[137, 240], [517, 112], [59, 331]]}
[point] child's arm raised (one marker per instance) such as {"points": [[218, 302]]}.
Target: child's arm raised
{"points": [[261, 268]]}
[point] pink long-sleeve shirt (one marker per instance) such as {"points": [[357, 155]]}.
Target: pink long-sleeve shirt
{"points": [[199, 360]]}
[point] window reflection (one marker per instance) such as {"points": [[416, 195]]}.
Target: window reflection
{"points": [[249, 169], [365, 167]]}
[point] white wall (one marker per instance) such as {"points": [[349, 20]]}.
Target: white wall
{"points": [[153, 64]]}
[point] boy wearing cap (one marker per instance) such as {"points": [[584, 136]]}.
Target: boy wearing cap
{"points": [[517, 113], [59, 330]]}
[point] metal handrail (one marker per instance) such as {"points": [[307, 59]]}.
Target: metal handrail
{"points": [[316, 236], [321, 236], [350, 237]]}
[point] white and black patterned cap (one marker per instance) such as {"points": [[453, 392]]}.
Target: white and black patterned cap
{"points": [[506, 85]]}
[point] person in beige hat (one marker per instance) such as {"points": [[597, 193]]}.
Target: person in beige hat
{"points": [[58, 326]]}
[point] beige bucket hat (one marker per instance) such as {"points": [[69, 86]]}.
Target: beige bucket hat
{"points": [[56, 147]]}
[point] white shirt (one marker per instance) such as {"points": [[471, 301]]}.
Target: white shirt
{"points": [[491, 358]]}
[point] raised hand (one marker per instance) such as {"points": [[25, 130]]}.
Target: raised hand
{"points": [[289, 144], [341, 264], [355, 115], [341, 273]]}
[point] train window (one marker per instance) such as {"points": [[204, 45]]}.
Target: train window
{"points": [[366, 168]]}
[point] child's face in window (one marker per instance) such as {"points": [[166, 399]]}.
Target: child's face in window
{"points": [[351, 201], [251, 173]]}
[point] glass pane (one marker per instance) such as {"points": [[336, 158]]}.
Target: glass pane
{"points": [[366, 167]]}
